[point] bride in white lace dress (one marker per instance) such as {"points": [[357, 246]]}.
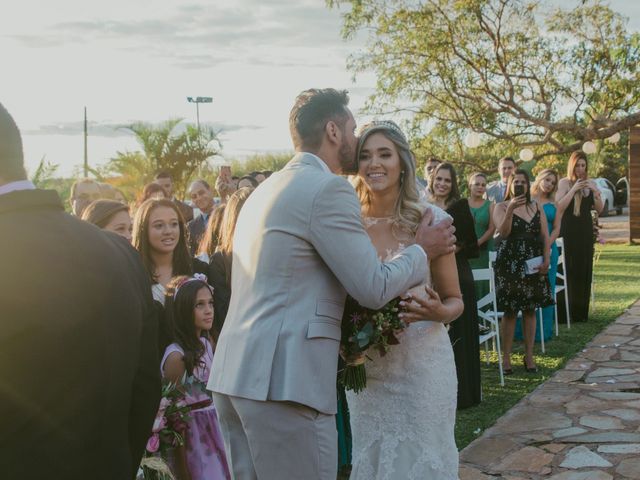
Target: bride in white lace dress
{"points": [[403, 421]]}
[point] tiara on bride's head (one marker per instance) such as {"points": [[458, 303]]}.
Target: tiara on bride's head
{"points": [[380, 125]]}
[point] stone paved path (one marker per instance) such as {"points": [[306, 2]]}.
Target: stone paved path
{"points": [[581, 424]]}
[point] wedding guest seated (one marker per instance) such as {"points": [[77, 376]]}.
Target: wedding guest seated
{"points": [[221, 261], [211, 237], [159, 235], [201, 197], [165, 180], [83, 192], [109, 215]]}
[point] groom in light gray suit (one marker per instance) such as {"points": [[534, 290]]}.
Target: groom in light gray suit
{"points": [[299, 248]]}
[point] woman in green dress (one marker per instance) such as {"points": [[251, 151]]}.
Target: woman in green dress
{"points": [[482, 211]]}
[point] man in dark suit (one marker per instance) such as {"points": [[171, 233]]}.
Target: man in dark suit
{"points": [[166, 182], [202, 197], [79, 370]]}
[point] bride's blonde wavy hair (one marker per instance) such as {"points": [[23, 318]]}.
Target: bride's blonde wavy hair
{"points": [[409, 209]]}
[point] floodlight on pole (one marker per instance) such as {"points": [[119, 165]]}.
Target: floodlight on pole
{"points": [[198, 101]]}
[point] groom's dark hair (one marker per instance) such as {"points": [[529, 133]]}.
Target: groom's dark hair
{"points": [[311, 112], [11, 156]]}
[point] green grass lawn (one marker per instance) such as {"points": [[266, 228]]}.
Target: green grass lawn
{"points": [[617, 286]]}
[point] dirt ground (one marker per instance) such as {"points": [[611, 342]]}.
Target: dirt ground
{"points": [[615, 228]]}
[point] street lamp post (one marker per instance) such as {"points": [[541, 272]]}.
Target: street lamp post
{"points": [[198, 101]]}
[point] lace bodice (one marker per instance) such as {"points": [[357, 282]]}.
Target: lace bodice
{"points": [[403, 421]]}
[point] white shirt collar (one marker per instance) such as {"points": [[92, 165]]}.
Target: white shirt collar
{"points": [[15, 186]]}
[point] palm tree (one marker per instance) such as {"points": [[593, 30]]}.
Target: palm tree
{"points": [[180, 154]]}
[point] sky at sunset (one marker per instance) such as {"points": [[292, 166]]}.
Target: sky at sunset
{"points": [[139, 60]]}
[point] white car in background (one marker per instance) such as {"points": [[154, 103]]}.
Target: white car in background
{"points": [[608, 193]]}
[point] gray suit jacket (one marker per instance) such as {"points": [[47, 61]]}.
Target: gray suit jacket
{"points": [[494, 192], [299, 248]]}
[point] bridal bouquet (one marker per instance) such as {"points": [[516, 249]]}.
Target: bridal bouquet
{"points": [[363, 328]]}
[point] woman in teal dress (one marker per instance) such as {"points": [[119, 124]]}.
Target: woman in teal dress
{"points": [[482, 212], [543, 191]]}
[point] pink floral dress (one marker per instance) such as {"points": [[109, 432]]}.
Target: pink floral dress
{"points": [[205, 453]]}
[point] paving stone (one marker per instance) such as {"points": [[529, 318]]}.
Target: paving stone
{"points": [[629, 356], [601, 423], [610, 340], [594, 475], [578, 364], [525, 419], [554, 447], [620, 449], [584, 404], [598, 354], [534, 437], [567, 376], [616, 395], [602, 437], [568, 432], [469, 473], [635, 343], [486, 451], [620, 329], [628, 378], [611, 372], [628, 320], [626, 414], [629, 467], [580, 457], [619, 364], [527, 459], [553, 394], [634, 404]]}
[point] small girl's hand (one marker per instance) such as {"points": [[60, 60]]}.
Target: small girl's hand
{"points": [[419, 308]]}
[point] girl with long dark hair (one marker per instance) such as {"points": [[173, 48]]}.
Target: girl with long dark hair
{"points": [[189, 307]]}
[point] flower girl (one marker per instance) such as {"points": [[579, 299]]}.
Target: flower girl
{"points": [[187, 361]]}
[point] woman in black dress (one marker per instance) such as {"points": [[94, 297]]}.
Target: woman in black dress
{"points": [[463, 332], [577, 196], [519, 224]]}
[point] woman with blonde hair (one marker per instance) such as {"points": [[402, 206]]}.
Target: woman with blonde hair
{"points": [[577, 196], [390, 440], [221, 261]]}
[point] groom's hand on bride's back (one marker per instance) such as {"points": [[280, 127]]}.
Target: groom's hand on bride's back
{"points": [[438, 239]]}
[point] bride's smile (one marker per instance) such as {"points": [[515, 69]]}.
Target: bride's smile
{"points": [[379, 164]]}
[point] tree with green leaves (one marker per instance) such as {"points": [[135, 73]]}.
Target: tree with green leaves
{"points": [[520, 72], [164, 147]]}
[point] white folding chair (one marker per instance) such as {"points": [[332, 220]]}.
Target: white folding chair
{"points": [[538, 312], [490, 317], [559, 288]]}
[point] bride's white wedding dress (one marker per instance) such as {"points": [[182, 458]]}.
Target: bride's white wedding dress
{"points": [[403, 421]]}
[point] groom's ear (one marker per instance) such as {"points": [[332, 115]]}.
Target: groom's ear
{"points": [[332, 131]]}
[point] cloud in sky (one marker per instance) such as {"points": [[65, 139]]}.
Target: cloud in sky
{"points": [[195, 35]]}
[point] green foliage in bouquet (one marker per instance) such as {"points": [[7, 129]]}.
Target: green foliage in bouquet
{"points": [[363, 328]]}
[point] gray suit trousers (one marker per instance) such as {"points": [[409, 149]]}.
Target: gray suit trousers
{"points": [[270, 440]]}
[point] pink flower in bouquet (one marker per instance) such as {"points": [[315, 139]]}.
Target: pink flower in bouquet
{"points": [[159, 423], [153, 443]]}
